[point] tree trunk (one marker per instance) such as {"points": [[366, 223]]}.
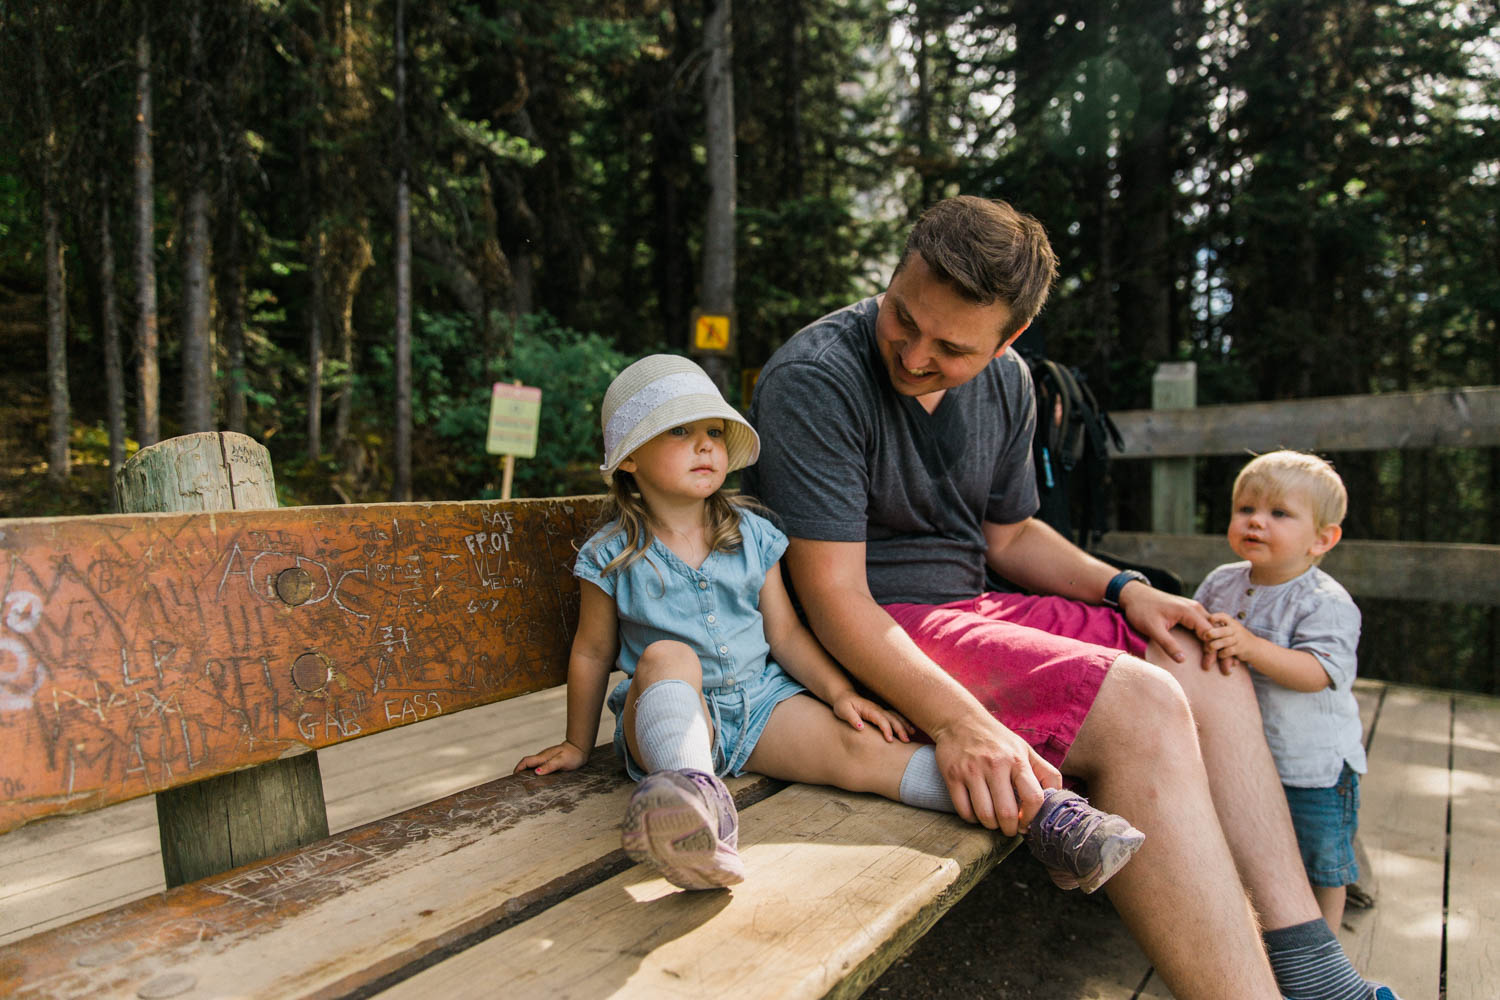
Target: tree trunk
{"points": [[59, 416], [148, 391], [59, 406], [231, 286], [793, 176], [718, 236], [349, 257], [401, 488], [315, 312], [109, 317], [197, 354]]}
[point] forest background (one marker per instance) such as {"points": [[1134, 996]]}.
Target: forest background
{"points": [[332, 225]]}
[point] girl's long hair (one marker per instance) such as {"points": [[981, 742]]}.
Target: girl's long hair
{"points": [[624, 506]]}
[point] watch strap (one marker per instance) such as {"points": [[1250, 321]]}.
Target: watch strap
{"points": [[1118, 582]]}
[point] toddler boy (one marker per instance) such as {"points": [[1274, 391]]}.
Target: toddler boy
{"points": [[1297, 630]]}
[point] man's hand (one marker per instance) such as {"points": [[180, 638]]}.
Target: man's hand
{"points": [[1154, 614], [994, 777]]}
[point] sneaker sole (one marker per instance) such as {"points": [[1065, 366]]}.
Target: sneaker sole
{"points": [[666, 830], [1113, 855]]}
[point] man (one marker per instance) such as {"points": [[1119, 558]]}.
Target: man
{"points": [[896, 448]]}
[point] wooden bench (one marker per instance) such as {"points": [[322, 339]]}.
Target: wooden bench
{"points": [[162, 653]]}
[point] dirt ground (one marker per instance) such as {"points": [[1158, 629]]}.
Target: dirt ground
{"points": [[1014, 937]]}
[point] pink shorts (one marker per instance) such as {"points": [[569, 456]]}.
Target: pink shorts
{"points": [[1035, 662]]}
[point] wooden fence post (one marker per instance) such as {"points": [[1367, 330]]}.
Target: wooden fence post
{"points": [[234, 819], [1173, 493]]}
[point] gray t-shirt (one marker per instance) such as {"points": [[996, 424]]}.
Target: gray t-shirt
{"points": [[846, 458], [1312, 734]]}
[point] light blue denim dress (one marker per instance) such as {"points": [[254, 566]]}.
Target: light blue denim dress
{"points": [[715, 609]]}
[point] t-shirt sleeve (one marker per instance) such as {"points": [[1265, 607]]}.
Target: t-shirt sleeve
{"points": [[1013, 493], [1330, 631], [813, 468]]}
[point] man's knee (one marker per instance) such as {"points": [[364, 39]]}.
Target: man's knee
{"points": [[1149, 706], [1207, 689]]}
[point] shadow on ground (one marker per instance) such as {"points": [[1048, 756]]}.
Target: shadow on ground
{"points": [[1016, 937]]}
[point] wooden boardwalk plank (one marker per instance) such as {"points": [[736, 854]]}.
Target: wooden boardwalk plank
{"points": [[648, 939], [1403, 824], [1473, 971]]}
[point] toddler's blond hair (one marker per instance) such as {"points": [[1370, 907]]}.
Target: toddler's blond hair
{"points": [[1279, 473]]}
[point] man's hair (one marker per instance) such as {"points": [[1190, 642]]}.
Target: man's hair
{"points": [[1279, 473], [988, 252]]}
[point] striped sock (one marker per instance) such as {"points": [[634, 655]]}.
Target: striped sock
{"points": [[922, 784], [1310, 964], [670, 730]]}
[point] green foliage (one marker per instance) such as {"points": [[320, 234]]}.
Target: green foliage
{"points": [[451, 402]]}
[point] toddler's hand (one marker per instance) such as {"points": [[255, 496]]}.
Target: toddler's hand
{"points": [[563, 756], [1227, 639], [856, 711]]}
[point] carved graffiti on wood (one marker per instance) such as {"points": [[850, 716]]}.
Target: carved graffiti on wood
{"points": [[141, 651]]}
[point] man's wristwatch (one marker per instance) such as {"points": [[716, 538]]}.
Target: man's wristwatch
{"points": [[1117, 584]]}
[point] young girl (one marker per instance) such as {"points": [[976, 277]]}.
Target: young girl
{"points": [[681, 589]]}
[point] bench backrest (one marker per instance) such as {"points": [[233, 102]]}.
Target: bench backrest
{"points": [[140, 652]]}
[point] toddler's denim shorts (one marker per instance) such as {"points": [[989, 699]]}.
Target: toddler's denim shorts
{"points": [[739, 713], [1325, 820]]}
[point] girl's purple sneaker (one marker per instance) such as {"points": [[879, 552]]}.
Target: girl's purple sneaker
{"points": [[1080, 845], [684, 822]]}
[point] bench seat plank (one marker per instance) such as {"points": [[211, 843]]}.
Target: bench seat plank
{"points": [[335, 915], [838, 886], [145, 651]]}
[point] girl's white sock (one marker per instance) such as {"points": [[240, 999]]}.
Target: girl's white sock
{"points": [[670, 730], [922, 784]]}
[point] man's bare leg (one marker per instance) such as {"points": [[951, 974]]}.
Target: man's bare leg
{"points": [[1139, 752], [1246, 789], [1257, 824]]}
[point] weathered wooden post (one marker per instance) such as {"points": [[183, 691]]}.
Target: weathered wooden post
{"points": [[1173, 493], [234, 819]]}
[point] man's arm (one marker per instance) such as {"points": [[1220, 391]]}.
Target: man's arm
{"points": [[1030, 553], [994, 777]]}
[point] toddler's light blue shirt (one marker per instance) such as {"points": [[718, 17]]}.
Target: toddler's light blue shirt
{"points": [[1311, 734]]}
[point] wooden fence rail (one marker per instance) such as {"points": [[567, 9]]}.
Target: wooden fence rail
{"points": [[1458, 418], [1427, 571]]}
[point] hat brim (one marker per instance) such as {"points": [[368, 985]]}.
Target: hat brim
{"points": [[740, 439]]}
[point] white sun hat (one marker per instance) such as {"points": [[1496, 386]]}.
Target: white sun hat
{"points": [[658, 393]]}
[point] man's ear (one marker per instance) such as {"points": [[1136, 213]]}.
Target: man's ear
{"points": [[1328, 537], [1010, 340]]}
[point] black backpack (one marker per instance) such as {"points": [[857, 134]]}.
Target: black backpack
{"points": [[1071, 452]]}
